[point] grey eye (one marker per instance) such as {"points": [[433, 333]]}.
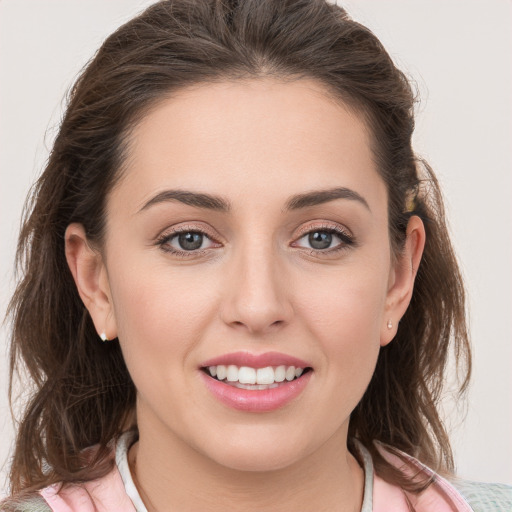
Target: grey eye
{"points": [[190, 240], [320, 239]]}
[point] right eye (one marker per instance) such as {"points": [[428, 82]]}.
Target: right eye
{"points": [[186, 242], [324, 239]]}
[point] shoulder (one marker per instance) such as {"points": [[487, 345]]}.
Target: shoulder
{"points": [[30, 504], [485, 497], [443, 494], [104, 494]]}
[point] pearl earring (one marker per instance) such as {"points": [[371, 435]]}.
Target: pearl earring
{"points": [[390, 324], [103, 337]]}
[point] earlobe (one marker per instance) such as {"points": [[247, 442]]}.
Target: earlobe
{"points": [[403, 275], [91, 279]]}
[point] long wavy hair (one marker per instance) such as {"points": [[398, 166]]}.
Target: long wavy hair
{"points": [[81, 393]]}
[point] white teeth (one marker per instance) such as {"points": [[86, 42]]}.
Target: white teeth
{"points": [[280, 373], [255, 378], [247, 375], [253, 387], [290, 373], [265, 375], [221, 372], [232, 373]]}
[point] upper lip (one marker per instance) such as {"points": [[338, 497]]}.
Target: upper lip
{"points": [[256, 360]]}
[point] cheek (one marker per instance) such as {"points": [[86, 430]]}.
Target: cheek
{"points": [[345, 315], [160, 310], [352, 299], [161, 319]]}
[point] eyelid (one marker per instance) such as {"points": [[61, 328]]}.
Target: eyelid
{"points": [[185, 228], [168, 234], [323, 225], [345, 236]]}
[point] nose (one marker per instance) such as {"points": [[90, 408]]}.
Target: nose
{"points": [[256, 297]]}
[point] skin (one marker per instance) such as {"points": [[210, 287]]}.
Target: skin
{"points": [[257, 286]]}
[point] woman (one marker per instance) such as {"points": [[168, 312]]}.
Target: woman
{"points": [[239, 289]]}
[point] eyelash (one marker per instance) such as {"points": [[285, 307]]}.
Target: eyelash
{"points": [[166, 238], [347, 240]]}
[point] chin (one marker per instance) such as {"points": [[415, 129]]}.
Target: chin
{"points": [[257, 462], [257, 454]]}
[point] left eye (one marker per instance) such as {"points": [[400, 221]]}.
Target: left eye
{"points": [[188, 241], [322, 239]]}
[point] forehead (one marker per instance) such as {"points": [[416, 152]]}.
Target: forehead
{"points": [[260, 137]]}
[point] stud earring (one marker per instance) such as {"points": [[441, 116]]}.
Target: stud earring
{"points": [[103, 337], [390, 324]]}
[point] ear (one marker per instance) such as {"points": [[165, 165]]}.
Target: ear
{"points": [[91, 279], [401, 279]]}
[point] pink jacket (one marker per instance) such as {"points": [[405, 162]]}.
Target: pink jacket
{"points": [[109, 494]]}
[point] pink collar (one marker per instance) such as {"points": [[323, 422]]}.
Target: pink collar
{"points": [[440, 495], [110, 492]]}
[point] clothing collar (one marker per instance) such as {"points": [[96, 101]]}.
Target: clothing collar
{"points": [[122, 447], [379, 495], [128, 438]]}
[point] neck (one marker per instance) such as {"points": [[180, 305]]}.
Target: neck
{"points": [[171, 476]]}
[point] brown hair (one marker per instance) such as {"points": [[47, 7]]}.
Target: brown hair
{"points": [[82, 392]]}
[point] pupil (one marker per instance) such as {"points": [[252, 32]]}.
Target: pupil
{"points": [[190, 241], [320, 239]]}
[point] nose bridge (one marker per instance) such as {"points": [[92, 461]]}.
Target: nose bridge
{"points": [[256, 297]]}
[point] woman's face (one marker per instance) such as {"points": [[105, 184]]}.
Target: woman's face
{"points": [[249, 229]]}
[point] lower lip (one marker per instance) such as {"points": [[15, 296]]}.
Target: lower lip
{"points": [[261, 400]]}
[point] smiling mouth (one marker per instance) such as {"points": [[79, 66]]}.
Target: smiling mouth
{"points": [[257, 379]]}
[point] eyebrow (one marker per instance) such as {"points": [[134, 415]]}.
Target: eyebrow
{"points": [[217, 203], [324, 196], [206, 201]]}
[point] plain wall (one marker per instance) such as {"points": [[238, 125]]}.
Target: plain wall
{"points": [[459, 53]]}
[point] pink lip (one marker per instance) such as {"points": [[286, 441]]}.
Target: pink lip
{"points": [[256, 360], [264, 400], [261, 400]]}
